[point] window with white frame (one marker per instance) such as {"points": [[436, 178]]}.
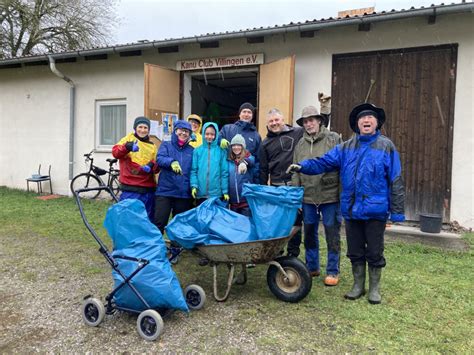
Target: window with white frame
{"points": [[110, 122]]}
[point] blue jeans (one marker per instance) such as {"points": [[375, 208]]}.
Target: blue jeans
{"points": [[332, 219], [148, 199]]}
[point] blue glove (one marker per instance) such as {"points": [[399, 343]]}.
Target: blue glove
{"points": [[395, 217], [193, 137], [132, 146], [147, 168]]}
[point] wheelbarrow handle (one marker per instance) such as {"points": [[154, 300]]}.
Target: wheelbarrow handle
{"points": [[294, 230]]}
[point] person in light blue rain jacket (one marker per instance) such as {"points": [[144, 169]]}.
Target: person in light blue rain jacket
{"points": [[209, 172], [372, 192], [240, 163]]}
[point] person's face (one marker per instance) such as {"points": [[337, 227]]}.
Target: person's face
{"points": [[183, 134], [275, 123], [367, 125], [142, 130], [209, 134], [237, 149], [311, 125], [194, 125], [246, 115]]}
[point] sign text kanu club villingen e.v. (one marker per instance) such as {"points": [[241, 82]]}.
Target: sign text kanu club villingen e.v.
{"points": [[220, 62]]}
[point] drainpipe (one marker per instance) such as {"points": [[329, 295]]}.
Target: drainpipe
{"points": [[72, 109]]}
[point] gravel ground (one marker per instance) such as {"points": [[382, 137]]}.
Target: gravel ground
{"points": [[43, 283]]}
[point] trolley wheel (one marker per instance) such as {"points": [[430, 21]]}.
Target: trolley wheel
{"points": [[195, 297], [149, 324], [93, 311], [84, 181], [293, 288]]}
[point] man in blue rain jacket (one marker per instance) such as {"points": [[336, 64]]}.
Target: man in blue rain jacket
{"points": [[372, 191]]}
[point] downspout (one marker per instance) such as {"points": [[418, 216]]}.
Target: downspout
{"points": [[72, 110]]}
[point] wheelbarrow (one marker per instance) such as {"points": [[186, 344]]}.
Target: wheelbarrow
{"points": [[287, 277]]}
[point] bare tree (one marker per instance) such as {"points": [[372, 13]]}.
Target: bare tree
{"points": [[40, 26]]}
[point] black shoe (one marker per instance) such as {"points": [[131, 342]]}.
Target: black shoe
{"points": [[203, 261]]}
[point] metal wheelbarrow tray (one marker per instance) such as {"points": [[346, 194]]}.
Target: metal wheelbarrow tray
{"points": [[287, 277]]}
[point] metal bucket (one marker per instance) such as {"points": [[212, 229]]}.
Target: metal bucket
{"points": [[430, 223]]}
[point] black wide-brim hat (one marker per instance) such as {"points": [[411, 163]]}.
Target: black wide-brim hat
{"points": [[364, 107]]}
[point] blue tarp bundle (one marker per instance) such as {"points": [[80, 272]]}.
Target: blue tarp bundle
{"points": [[273, 209], [273, 214], [210, 223], [134, 235]]}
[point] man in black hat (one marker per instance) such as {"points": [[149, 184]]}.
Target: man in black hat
{"points": [[372, 192], [246, 129]]}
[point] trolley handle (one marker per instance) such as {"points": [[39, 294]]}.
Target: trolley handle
{"points": [[131, 258]]}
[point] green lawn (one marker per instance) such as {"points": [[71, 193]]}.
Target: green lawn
{"points": [[427, 292]]}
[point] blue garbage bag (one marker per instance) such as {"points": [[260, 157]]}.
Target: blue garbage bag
{"points": [[134, 235], [210, 223], [273, 208]]}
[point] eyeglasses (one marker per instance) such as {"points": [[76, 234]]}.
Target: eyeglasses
{"points": [[182, 131]]}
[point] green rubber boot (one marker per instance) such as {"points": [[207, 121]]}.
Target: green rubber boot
{"points": [[358, 289], [374, 282]]}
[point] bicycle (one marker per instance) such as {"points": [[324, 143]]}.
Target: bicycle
{"points": [[93, 178]]}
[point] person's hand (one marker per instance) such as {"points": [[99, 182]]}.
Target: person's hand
{"points": [[293, 168], [132, 146], [193, 137], [176, 168], [147, 167], [395, 217], [242, 168], [226, 197], [194, 192], [224, 143]]}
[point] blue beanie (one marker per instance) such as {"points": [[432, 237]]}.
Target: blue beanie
{"points": [[141, 120]]}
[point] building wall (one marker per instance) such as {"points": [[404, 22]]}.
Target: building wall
{"points": [[45, 111]]}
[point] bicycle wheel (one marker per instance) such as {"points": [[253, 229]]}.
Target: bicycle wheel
{"points": [[115, 186], [84, 181]]}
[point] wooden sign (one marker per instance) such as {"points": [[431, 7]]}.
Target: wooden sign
{"points": [[220, 62]]}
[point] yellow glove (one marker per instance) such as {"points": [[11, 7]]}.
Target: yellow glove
{"points": [[224, 143], [226, 197], [176, 168], [194, 192]]}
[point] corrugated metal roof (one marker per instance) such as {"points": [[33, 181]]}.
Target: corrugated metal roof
{"points": [[257, 31]]}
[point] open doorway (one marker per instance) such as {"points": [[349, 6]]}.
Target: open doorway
{"points": [[217, 95]]}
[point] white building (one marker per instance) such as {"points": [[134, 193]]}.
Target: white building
{"points": [[420, 60]]}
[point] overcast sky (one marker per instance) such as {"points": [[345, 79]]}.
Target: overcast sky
{"points": [[160, 19]]}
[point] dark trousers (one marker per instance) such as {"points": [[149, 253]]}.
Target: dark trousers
{"points": [[365, 242], [164, 206], [293, 247]]}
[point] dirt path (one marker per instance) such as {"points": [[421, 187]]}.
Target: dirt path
{"points": [[42, 285]]}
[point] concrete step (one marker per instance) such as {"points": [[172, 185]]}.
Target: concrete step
{"points": [[445, 240]]}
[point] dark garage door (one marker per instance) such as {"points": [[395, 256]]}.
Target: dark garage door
{"points": [[416, 88]]}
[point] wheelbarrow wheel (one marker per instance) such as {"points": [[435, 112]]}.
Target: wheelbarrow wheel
{"points": [[195, 297], [150, 324], [293, 287], [93, 311]]}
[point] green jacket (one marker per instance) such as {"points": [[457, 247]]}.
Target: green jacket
{"points": [[323, 188]]}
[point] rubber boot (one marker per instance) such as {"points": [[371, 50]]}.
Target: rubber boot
{"points": [[374, 282], [358, 289]]}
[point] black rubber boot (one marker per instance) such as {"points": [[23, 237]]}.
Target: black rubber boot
{"points": [[358, 289], [374, 282]]}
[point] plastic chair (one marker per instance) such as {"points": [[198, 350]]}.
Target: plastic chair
{"points": [[38, 178]]}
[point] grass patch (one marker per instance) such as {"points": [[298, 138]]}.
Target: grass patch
{"points": [[427, 292]]}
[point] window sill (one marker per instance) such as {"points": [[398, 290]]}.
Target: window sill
{"points": [[103, 149]]}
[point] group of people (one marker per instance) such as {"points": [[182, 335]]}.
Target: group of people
{"points": [[358, 180]]}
